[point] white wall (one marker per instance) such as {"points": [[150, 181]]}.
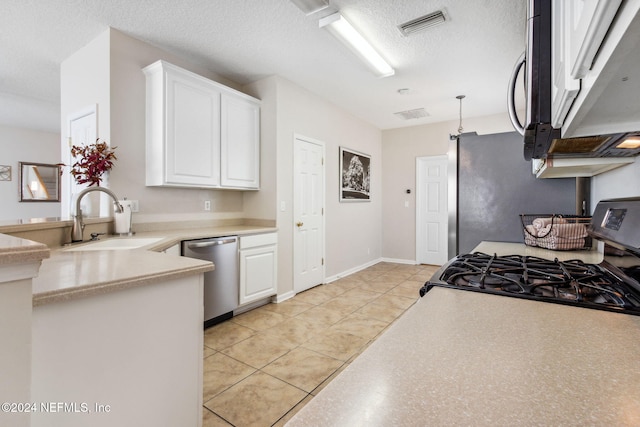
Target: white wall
{"points": [[119, 90], [353, 230], [400, 147], [25, 145], [30, 113], [618, 183]]}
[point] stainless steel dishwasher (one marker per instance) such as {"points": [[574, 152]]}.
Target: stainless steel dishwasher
{"points": [[220, 285]]}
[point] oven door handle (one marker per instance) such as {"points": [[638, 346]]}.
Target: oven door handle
{"points": [[511, 95]]}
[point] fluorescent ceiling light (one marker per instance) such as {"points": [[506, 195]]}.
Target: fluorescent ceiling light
{"points": [[341, 29], [309, 7]]}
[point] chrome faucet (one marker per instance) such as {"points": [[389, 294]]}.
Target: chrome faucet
{"points": [[78, 225]]}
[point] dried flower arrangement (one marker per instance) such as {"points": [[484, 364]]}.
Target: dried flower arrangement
{"points": [[93, 160]]}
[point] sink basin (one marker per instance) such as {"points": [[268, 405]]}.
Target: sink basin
{"points": [[115, 244]]}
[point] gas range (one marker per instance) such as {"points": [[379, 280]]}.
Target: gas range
{"points": [[612, 285]]}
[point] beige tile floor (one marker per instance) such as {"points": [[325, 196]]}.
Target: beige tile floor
{"points": [[263, 366]]}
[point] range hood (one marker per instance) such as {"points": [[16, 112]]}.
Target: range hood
{"points": [[576, 167]]}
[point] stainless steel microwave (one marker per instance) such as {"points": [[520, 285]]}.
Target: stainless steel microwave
{"points": [[541, 139]]}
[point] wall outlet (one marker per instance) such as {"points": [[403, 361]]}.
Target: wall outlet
{"points": [[207, 205]]}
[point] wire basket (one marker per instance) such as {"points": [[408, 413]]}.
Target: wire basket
{"points": [[556, 232]]}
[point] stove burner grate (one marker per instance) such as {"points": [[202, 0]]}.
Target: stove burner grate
{"points": [[569, 282]]}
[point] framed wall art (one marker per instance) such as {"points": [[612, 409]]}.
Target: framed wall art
{"points": [[39, 182], [355, 170], [5, 173]]}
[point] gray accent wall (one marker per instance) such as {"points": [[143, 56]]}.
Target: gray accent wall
{"points": [[495, 186]]}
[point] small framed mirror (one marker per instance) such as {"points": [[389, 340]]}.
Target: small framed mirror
{"points": [[39, 182]]}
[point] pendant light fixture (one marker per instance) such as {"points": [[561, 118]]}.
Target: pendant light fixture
{"points": [[460, 128], [460, 97]]}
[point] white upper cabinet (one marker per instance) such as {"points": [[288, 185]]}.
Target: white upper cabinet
{"points": [[596, 80], [199, 133], [240, 148], [587, 22], [564, 88], [183, 134]]}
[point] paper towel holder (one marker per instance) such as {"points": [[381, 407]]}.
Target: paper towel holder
{"points": [[122, 221]]}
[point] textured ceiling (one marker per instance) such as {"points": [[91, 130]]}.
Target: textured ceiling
{"points": [[246, 40]]}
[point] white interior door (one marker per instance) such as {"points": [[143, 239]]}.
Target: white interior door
{"points": [[431, 210], [308, 213]]}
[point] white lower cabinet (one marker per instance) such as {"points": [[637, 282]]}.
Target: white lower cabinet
{"points": [[258, 267], [173, 250]]}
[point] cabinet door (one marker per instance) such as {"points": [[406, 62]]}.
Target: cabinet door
{"points": [[240, 142], [588, 22], [578, 29], [257, 273], [564, 88], [173, 250], [192, 131]]}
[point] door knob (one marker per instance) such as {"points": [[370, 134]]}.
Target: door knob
{"points": [[299, 224]]}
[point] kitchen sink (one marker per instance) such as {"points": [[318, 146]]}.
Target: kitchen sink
{"points": [[115, 244]]}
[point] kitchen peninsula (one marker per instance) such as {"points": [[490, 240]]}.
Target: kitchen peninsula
{"points": [[117, 334]]}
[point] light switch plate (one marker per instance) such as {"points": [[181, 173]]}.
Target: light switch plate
{"points": [[133, 204]]}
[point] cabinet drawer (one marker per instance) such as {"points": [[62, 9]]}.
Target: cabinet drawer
{"points": [[258, 240]]}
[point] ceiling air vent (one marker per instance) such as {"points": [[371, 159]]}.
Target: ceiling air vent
{"points": [[422, 23], [412, 114]]}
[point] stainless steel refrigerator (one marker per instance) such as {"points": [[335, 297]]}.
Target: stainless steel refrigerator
{"points": [[494, 186]]}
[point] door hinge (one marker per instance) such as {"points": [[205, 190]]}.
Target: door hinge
{"points": [[322, 261], [323, 161]]}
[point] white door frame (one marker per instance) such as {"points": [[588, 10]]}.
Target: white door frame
{"points": [[297, 287], [420, 195], [87, 120]]}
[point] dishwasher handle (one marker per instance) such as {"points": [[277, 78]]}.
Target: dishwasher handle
{"points": [[210, 243]]}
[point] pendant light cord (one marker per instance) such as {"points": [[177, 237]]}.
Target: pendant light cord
{"points": [[460, 129]]}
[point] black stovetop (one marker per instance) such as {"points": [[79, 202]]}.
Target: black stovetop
{"points": [[564, 282]]}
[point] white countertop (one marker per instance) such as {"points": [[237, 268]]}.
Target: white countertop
{"points": [[466, 358], [66, 275], [172, 237], [502, 248], [14, 250], [69, 275]]}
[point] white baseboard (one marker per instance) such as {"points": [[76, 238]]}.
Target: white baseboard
{"points": [[280, 298], [351, 271], [327, 280], [400, 261]]}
